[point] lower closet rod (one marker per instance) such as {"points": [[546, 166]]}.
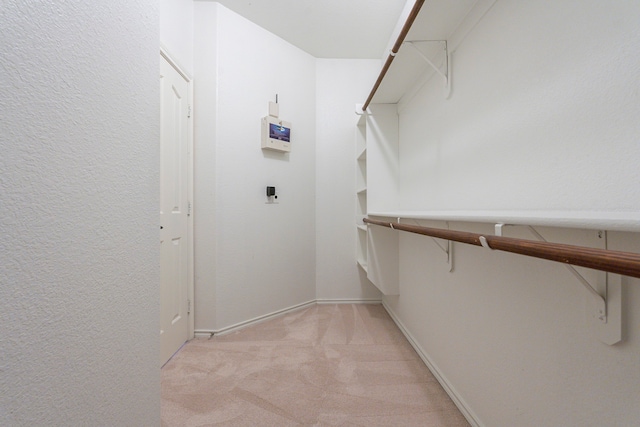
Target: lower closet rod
{"points": [[625, 263]]}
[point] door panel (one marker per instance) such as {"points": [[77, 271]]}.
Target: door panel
{"points": [[174, 181]]}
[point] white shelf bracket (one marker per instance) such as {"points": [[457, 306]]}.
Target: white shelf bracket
{"points": [[599, 300], [604, 305], [446, 75], [448, 250]]}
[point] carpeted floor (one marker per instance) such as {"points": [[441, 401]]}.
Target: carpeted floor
{"points": [[325, 365]]}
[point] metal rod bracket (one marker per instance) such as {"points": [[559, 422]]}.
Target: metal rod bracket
{"points": [[484, 243]]}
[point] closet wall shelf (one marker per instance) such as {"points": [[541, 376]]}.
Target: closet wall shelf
{"points": [[612, 221], [440, 21]]}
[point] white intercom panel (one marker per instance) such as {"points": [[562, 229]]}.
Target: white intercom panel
{"points": [[276, 133]]}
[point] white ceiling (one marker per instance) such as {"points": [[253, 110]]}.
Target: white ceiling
{"points": [[326, 28]]}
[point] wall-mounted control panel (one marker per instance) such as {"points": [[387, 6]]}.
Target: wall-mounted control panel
{"points": [[276, 133]]}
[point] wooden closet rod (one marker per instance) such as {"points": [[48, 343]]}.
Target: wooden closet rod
{"points": [[396, 47], [625, 263]]}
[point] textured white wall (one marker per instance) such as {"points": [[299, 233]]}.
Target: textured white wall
{"points": [[544, 115], [79, 206], [340, 84], [176, 31], [263, 255]]}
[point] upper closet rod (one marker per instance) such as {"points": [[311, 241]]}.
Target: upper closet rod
{"points": [[625, 263], [396, 47]]}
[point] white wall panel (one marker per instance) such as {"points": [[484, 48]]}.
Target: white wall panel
{"points": [[340, 84], [543, 115], [263, 255], [79, 258]]}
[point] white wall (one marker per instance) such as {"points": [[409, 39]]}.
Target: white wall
{"points": [[205, 111], [261, 255], [340, 84], [176, 31], [543, 116], [79, 269], [509, 334]]}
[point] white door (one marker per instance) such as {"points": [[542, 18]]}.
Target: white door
{"points": [[174, 211]]}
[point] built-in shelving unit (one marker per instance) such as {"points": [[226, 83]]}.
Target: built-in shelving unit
{"points": [[422, 46], [361, 191], [377, 249]]}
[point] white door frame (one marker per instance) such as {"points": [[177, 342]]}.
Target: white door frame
{"points": [[190, 285]]}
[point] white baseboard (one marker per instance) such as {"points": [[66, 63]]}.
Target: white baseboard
{"points": [[208, 333], [451, 391], [349, 301], [205, 333]]}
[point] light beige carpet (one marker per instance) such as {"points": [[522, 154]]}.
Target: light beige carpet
{"points": [[325, 365]]}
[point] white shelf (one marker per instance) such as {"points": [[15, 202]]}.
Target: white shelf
{"points": [[438, 20], [362, 190], [618, 221], [362, 228], [363, 265], [363, 154]]}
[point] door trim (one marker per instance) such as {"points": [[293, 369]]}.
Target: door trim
{"points": [[175, 65], [190, 281]]}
